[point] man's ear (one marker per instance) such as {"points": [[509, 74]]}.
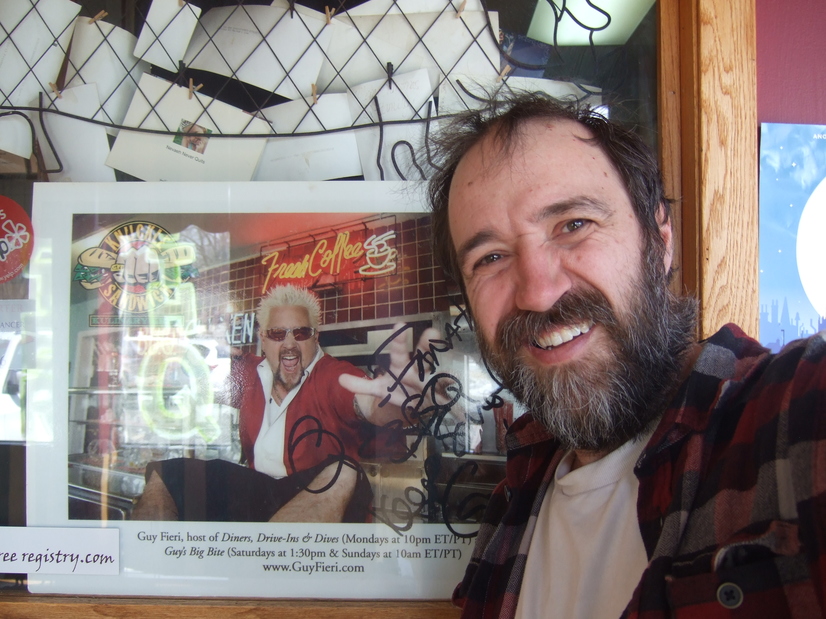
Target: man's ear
{"points": [[667, 235]]}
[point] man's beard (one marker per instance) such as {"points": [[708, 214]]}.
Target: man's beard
{"points": [[599, 403], [286, 383], [284, 379]]}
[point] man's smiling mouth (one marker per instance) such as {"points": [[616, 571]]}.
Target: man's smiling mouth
{"points": [[561, 335], [290, 361]]}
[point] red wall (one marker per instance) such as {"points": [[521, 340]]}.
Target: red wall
{"points": [[791, 61]]}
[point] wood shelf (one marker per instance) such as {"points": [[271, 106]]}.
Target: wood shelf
{"points": [[23, 606]]}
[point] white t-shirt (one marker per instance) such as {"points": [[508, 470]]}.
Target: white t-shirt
{"points": [[269, 445], [586, 556]]}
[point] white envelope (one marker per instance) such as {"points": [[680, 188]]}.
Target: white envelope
{"points": [[191, 154], [81, 146], [101, 54], [358, 56], [34, 48], [361, 50], [16, 135], [262, 46], [470, 92], [406, 99], [310, 157], [166, 33]]}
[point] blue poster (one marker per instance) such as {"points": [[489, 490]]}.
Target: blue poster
{"points": [[792, 232]]}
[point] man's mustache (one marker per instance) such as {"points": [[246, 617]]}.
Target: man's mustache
{"points": [[574, 307]]}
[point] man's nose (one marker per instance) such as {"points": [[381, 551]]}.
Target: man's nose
{"points": [[541, 280]]}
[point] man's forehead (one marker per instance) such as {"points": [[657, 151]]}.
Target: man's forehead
{"points": [[528, 142], [289, 312]]}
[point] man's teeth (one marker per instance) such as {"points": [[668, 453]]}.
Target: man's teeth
{"points": [[563, 334]]}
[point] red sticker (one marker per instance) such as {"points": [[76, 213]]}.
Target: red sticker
{"points": [[16, 239]]}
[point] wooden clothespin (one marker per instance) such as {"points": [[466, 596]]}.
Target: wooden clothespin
{"points": [[461, 8], [315, 94], [55, 90], [330, 13], [504, 73], [98, 17], [193, 88]]}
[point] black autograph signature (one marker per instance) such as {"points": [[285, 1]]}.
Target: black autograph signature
{"points": [[443, 495]]}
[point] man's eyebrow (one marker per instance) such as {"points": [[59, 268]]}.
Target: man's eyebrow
{"points": [[480, 238], [580, 204]]}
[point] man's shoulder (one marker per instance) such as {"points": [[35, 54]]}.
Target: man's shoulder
{"points": [[244, 367], [747, 354], [734, 371], [745, 373]]}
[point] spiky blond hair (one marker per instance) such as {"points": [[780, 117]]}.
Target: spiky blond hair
{"points": [[289, 295]]}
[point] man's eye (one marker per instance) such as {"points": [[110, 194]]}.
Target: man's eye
{"points": [[489, 259], [574, 225]]}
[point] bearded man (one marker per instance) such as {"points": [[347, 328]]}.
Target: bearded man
{"points": [[655, 475]]}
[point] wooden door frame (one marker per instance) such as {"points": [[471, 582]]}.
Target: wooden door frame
{"points": [[708, 118]]}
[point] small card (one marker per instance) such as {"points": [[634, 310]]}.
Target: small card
{"points": [[191, 154], [166, 33]]}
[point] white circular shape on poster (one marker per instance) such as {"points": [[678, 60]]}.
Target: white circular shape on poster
{"points": [[811, 248]]}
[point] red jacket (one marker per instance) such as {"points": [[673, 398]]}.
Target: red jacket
{"points": [[321, 419]]}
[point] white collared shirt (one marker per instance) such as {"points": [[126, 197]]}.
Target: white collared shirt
{"points": [[269, 445]]}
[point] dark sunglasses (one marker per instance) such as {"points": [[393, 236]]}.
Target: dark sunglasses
{"points": [[299, 333]]}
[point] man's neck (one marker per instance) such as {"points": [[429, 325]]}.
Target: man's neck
{"points": [[586, 456], [279, 391]]}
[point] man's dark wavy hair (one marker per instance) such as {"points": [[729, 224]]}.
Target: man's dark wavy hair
{"points": [[503, 119]]}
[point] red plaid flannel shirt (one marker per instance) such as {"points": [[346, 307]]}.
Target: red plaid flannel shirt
{"points": [[732, 494]]}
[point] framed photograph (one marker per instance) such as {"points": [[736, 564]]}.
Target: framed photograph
{"points": [[160, 407]]}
